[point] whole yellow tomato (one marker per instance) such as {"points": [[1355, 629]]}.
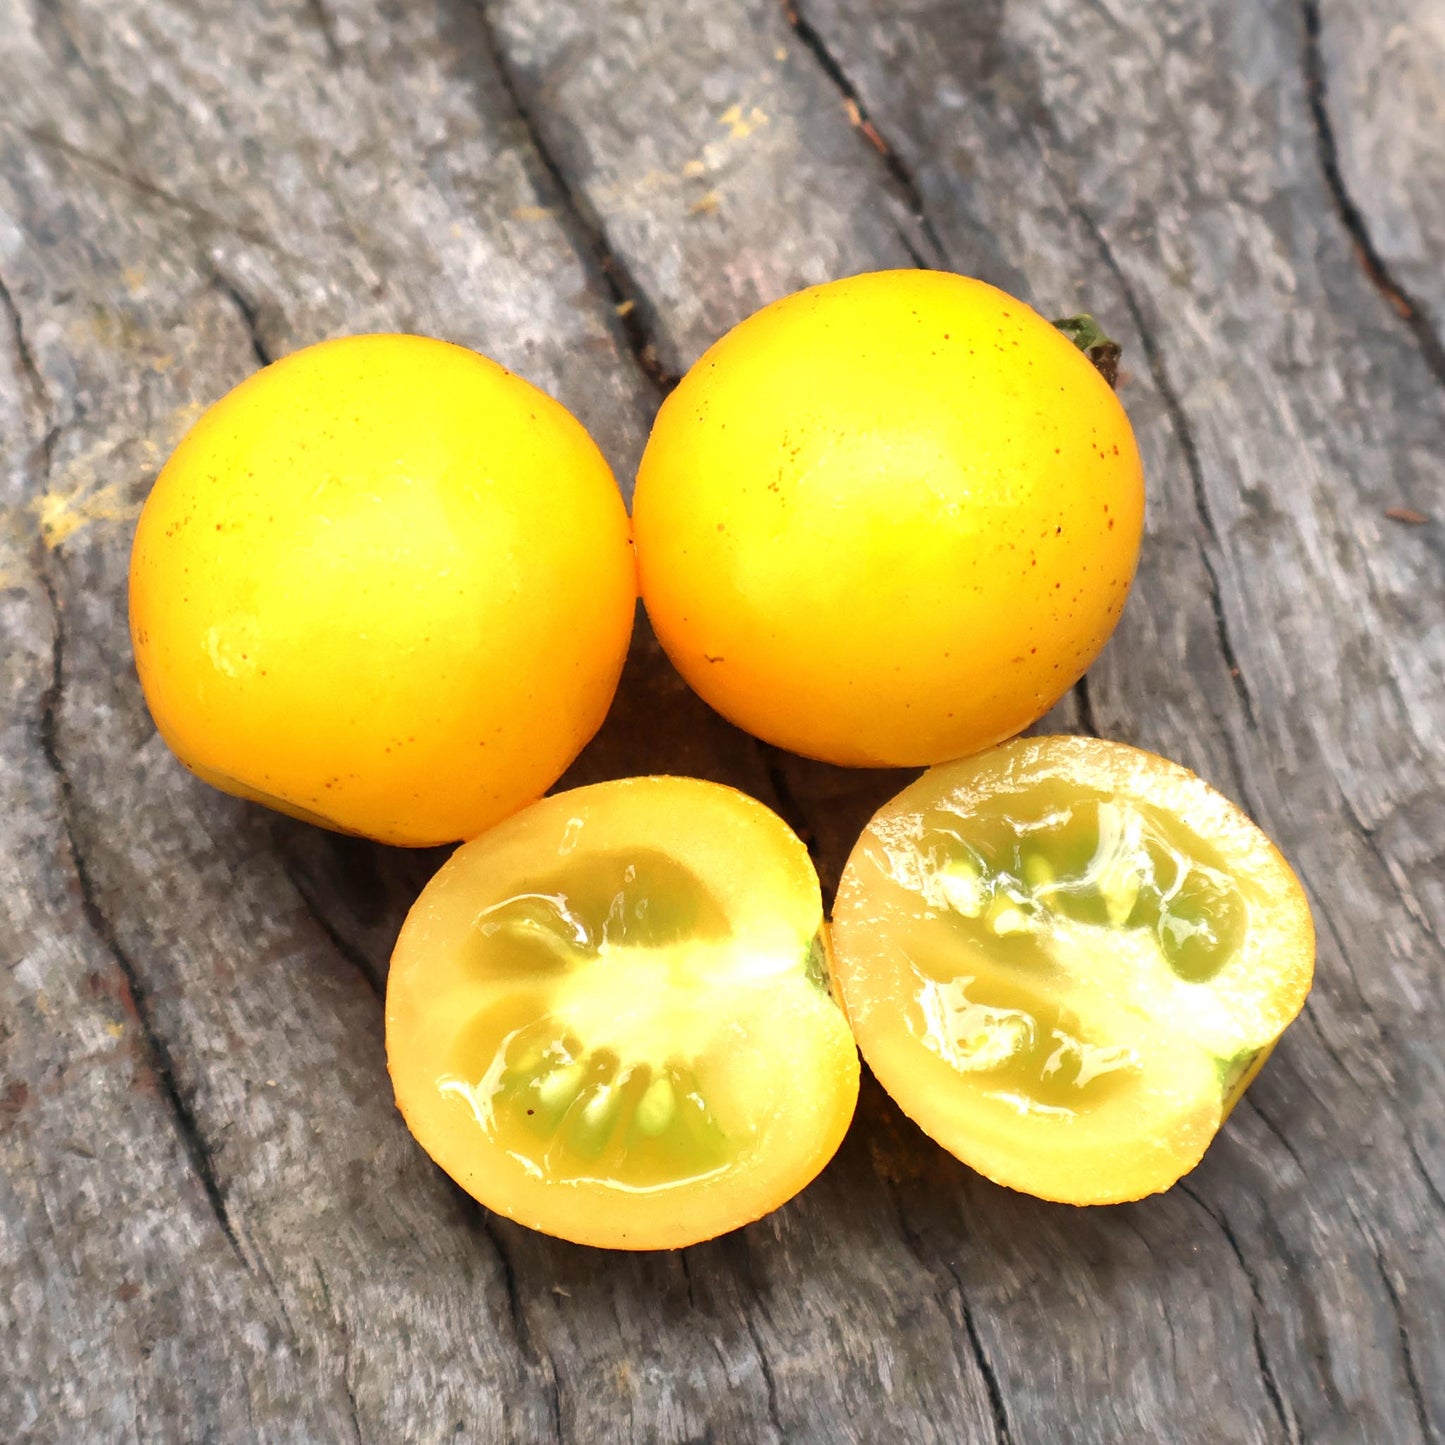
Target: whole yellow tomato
{"points": [[889, 520], [385, 585]]}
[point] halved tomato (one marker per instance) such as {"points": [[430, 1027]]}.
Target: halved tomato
{"points": [[1065, 959], [609, 1017]]}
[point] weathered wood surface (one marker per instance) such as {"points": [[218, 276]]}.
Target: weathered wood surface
{"points": [[212, 1223]]}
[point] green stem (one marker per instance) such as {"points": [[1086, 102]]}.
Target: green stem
{"points": [[1090, 338]]}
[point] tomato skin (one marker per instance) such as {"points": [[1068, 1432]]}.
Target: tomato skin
{"points": [[889, 520], [345, 576]]}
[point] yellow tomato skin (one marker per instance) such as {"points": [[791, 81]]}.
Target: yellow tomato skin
{"points": [[889, 520], [385, 585]]}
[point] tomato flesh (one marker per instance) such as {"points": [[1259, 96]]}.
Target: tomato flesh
{"points": [[1063, 959], [605, 1018]]}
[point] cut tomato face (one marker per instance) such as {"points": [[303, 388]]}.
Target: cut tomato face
{"points": [[609, 1018], [1065, 959]]}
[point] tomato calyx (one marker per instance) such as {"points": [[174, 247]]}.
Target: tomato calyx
{"points": [[1090, 337]]}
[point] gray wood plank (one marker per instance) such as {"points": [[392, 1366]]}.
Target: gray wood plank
{"points": [[591, 193], [1377, 78], [1291, 408], [1132, 210]]}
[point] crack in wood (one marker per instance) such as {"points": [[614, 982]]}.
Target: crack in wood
{"points": [[194, 216], [345, 1333], [812, 41], [687, 1278], [632, 314], [140, 185], [1001, 1430], [1431, 1187], [162, 1065], [353, 955], [770, 1384], [247, 312], [1282, 1409], [1307, 1016], [1258, 1111], [1184, 434], [43, 451], [914, 254], [1407, 1350], [486, 1224], [34, 381], [1311, 1315], [1085, 701], [1389, 867], [1323, 915], [789, 809], [1353, 219], [998, 1412], [1131, 1222]]}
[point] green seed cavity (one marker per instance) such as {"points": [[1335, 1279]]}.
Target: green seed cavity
{"points": [[1120, 878]]}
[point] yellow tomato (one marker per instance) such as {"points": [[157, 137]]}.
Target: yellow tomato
{"points": [[889, 520], [1066, 959], [384, 585], [609, 1017]]}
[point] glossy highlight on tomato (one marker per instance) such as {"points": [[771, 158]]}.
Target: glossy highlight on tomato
{"points": [[384, 585], [889, 520], [609, 1018], [1066, 959]]}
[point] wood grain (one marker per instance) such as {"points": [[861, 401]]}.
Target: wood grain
{"points": [[212, 1223]]}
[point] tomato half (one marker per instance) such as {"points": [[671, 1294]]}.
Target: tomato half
{"points": [[1065, 959], [609, 1017]]}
